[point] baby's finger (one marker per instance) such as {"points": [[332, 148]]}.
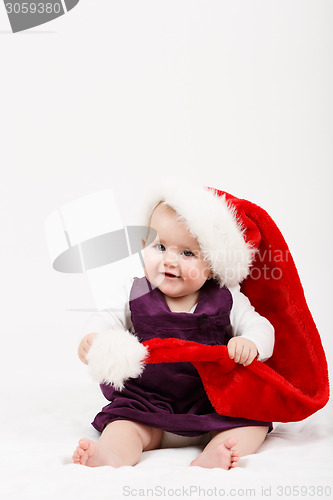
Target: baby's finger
{"points": [[244, 355], [87, 344], [250, 358], [246, 359], [83, 359], [231, 349], [238, 353]]}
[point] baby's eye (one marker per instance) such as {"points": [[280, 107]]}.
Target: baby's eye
{"points": [[188, 253], [160, 247]]}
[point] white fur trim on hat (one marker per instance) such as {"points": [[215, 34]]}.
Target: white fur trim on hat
{"points": [[115, 356], [213, 221]]}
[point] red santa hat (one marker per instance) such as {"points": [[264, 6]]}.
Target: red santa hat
{"points": [[243, 246]]}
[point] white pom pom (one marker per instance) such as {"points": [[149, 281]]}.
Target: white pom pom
{"points": [[116, 356]]}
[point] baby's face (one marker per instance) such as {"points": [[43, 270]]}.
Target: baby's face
{"points": [[173, 261]]}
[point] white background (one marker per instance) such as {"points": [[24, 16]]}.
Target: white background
{"points": [[234, 94]]}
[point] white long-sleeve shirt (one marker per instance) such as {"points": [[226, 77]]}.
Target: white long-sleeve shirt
{"points": [[244, 320]]}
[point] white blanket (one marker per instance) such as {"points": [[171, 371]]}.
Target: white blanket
{"points": [[41, 428]]}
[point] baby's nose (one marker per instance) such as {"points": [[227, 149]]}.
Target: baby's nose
{"points": [[170, 257]]}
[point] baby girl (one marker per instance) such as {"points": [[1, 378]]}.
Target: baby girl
{"points": [[191, 292]]}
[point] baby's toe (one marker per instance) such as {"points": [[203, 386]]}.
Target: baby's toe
{"points": [[76, 457], [234, 458], [84, 444], [230, 443]]}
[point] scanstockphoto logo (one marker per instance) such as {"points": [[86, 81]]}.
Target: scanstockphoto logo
{"points": [[24, 14], [87, 236]]}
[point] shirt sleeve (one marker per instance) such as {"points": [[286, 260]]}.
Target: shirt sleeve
{"points": [[247, 323], [117, 316]]}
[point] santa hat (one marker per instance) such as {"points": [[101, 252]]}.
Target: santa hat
{"points": [[243, 245]]}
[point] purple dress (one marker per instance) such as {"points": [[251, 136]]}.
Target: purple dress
{"points": [[170, 396]]}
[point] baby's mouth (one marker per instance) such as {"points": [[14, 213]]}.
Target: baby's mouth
{"points": [[170, 275]]}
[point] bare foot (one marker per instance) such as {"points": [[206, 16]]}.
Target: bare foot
{"points": [[93, 454], [222, 455]]}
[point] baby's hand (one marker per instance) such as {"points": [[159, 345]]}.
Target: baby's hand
{"points": [[85, 345], [242, 351]]}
